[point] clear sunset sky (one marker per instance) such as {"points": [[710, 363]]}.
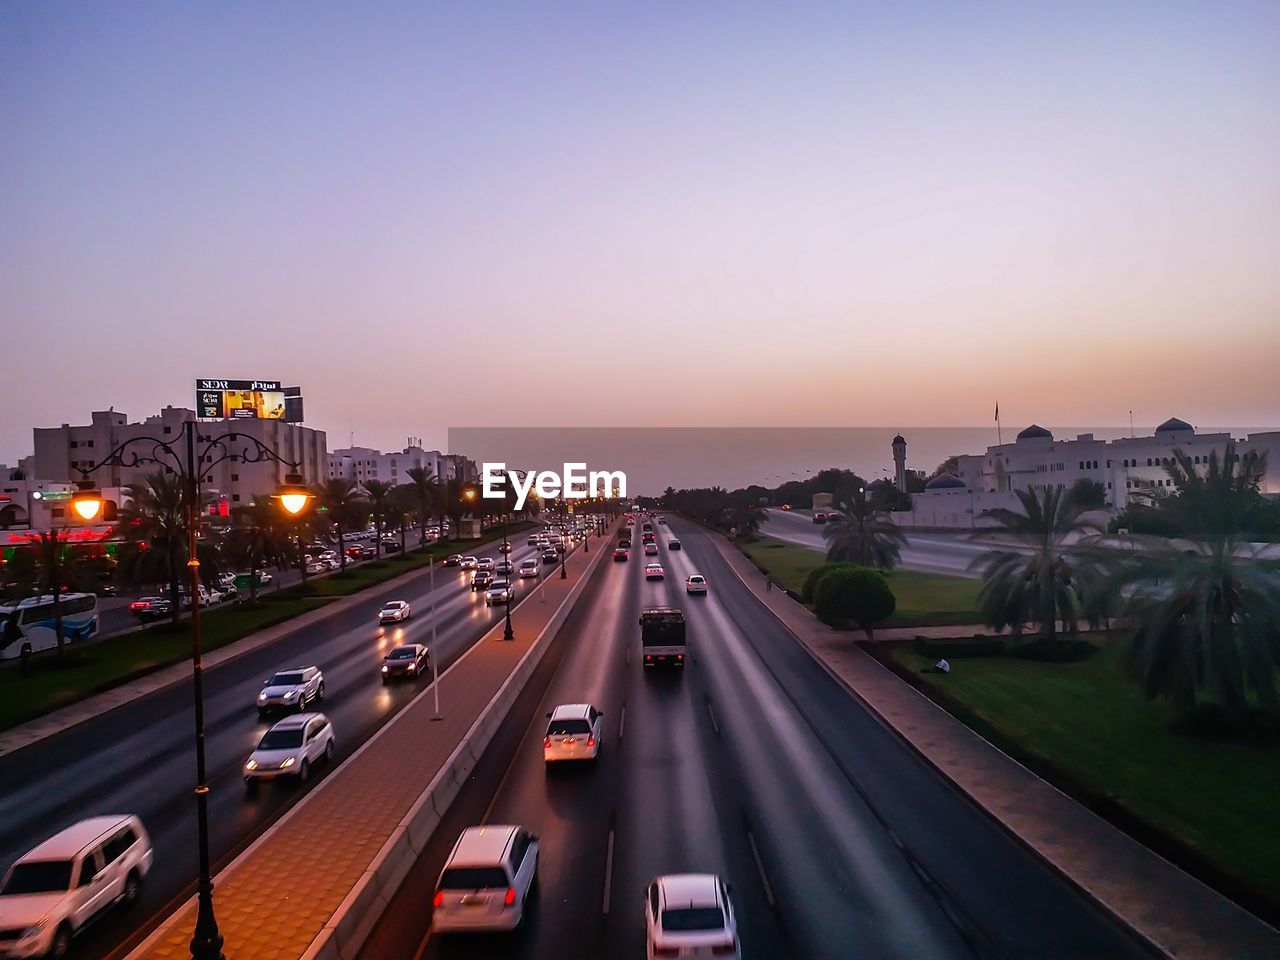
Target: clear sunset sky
{"points": [[642, 213]]}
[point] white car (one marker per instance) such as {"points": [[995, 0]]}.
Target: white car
{"points": [[503, 567], [485, 563], [500, 591], [469, 563], [528, 568], [654, 571], [486, 880], [54, 891], [290, 748], [574, 732], [690, 915], [696, 584], [317, 566], [291, 689], [393, 611]]}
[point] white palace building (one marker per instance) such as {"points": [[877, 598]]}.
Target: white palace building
{"points": [[1036, 459]]}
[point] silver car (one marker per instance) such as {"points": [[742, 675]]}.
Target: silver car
{"points": [[291, 689]]}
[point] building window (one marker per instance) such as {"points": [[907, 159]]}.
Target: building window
{"points": [[235, 477], [168, 430], [74, 444], [90, 444], [235, 498]]}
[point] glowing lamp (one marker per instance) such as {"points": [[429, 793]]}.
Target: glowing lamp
{"points": [[87, 501], [293, 496]]}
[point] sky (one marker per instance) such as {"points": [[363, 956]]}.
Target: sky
{"points": [[608, 214]]}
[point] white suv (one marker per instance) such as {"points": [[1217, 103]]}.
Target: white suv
{"points": [[291, 690], [51, 893], [486, 880], [574, 732], [289, 749], [689, 915]]}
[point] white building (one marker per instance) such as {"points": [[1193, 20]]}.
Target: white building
{"points": [[1037, 460], [358, 464]]}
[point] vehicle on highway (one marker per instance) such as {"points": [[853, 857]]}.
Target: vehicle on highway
{"points": [[29, 626], [654, 571], [631, 521], [647, 527], [690, 915], [147, 609], [486, 880], [558, 546], [469, 562], [504, 548], [485, 563], [529, 568], [819, 517], [624, 542], [550, 556], [408, 661], [390, 545], [674, 544], [500, 591], [291, 689], [504, 568], [663, 521], [785, 506], [650, 549], [289, 749], [316, 566], [393, 611], [696, 583], [51, 893], [453, 560], [662, 636], [480, 580], [648, 538], [574, 732], [533, 540], [620, 555]]}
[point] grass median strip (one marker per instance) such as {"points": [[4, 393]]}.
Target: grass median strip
{"points": [[80, 672], [924, 599]]}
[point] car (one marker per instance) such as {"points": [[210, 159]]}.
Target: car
{"points": [[453, 560], [574, 732], [390, 546], [648, 527], [533, 540], [291, 689], [819, 517], [504, 548], [469, 563], [485, 563], [620, 555], [650, 549], [54, 891], [695, 583], [369, 551], [504, 568], [316, 566], [690, 915], [550, 556], [333, 563], [648, 538], [393, 611], [625, 543], [631, 521], [147, 609], [654, 571], [674, 544], [528, 568], [353, 553], [263, 577], [290, 748], [500, 591], [486, 880], [408, 660], [663, 521], [480, 580], [785, 506], [107, 590]]}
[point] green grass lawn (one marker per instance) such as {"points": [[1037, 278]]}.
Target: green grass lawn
{"points": [[99, 666], [923, 598], [1218, 799]]}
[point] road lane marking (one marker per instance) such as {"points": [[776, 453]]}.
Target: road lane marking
{"points": [[422, 947], [711, 713], [622, 722], [764, 877], [608, 874]]}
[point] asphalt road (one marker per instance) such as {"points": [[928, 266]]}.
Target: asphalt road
{"points": [[139, 759], [837, 839]]}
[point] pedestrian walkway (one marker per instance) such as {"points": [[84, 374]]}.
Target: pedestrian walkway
{"points": [[270, 904], [1171, 909]]}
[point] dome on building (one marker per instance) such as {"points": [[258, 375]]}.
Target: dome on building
{"points": [[899, 440], [1174, 425], [1033, 432], [946, 481]]}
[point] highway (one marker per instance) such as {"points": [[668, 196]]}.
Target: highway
{"points": [[139, 758], [837, 839]]}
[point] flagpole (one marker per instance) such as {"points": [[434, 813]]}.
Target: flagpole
{"points": [[999, 438]]}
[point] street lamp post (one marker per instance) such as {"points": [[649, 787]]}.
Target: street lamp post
{"points": [[206, 941], [507, 632]]}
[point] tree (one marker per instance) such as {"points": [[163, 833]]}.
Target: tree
{"points": [[424, 493], [153, 522], [745, 519], [1047, 580], [817, 573], [379, 494], [258, 535], [55, 561], [340, 504], [862, 532], [396, 513], [858, 596], [1207, 611], [1090, 494]]}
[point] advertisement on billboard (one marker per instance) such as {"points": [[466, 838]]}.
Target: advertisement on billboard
{"points": [[241, 399]]}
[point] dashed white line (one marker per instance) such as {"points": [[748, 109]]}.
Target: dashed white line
{"points": [[764, 877], [711, 713], [608, 874], [622, 722]]}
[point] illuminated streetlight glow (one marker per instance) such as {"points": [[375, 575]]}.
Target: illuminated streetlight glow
{"points": [[87, 501]]}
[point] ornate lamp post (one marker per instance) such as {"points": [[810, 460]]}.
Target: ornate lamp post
{"points": [[206, 942]]}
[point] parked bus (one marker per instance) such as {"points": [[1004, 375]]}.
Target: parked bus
{"points": [[28, 626]]}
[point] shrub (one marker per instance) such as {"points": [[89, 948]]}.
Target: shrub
{"points": [[858, 596], [817, 573]]}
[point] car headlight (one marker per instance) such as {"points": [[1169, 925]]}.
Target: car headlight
{"points": [[287, 762], [251, 764], [384, 668], [413, 668], [291, 695], [262, 695]]}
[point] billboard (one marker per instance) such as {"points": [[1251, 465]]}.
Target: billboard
{"points": [[241, 399]]}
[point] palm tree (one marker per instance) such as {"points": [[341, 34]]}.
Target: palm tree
{"points": [[379, 494], [396, 513], [423, 491], [861, 532], [258, 535], [56, 569], [153, 523], [341, 504], [1207, 612], [1048, 579], [745, 519]]}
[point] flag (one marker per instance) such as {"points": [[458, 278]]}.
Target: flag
{"points": [[997, 411]]}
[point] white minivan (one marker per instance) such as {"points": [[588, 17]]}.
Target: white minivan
{"points": [[486, 880], [50, 894]]}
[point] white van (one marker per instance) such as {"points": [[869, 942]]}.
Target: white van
{"points": [[50, 894], [486, 880]]}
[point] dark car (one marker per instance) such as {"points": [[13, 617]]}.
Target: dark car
{"points": [[453, 560], [150, 608], [481, 580], [409, 660], [621, 554], [550, 556], [673, 544], [625, 543]]}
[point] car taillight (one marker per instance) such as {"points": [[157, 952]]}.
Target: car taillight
{"points": [[591, 741], [438, 899], [546, 741], [679, 656], [511, 896]]}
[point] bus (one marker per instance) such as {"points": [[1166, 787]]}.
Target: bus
{"points": [[662, 636], [28, 627]]}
